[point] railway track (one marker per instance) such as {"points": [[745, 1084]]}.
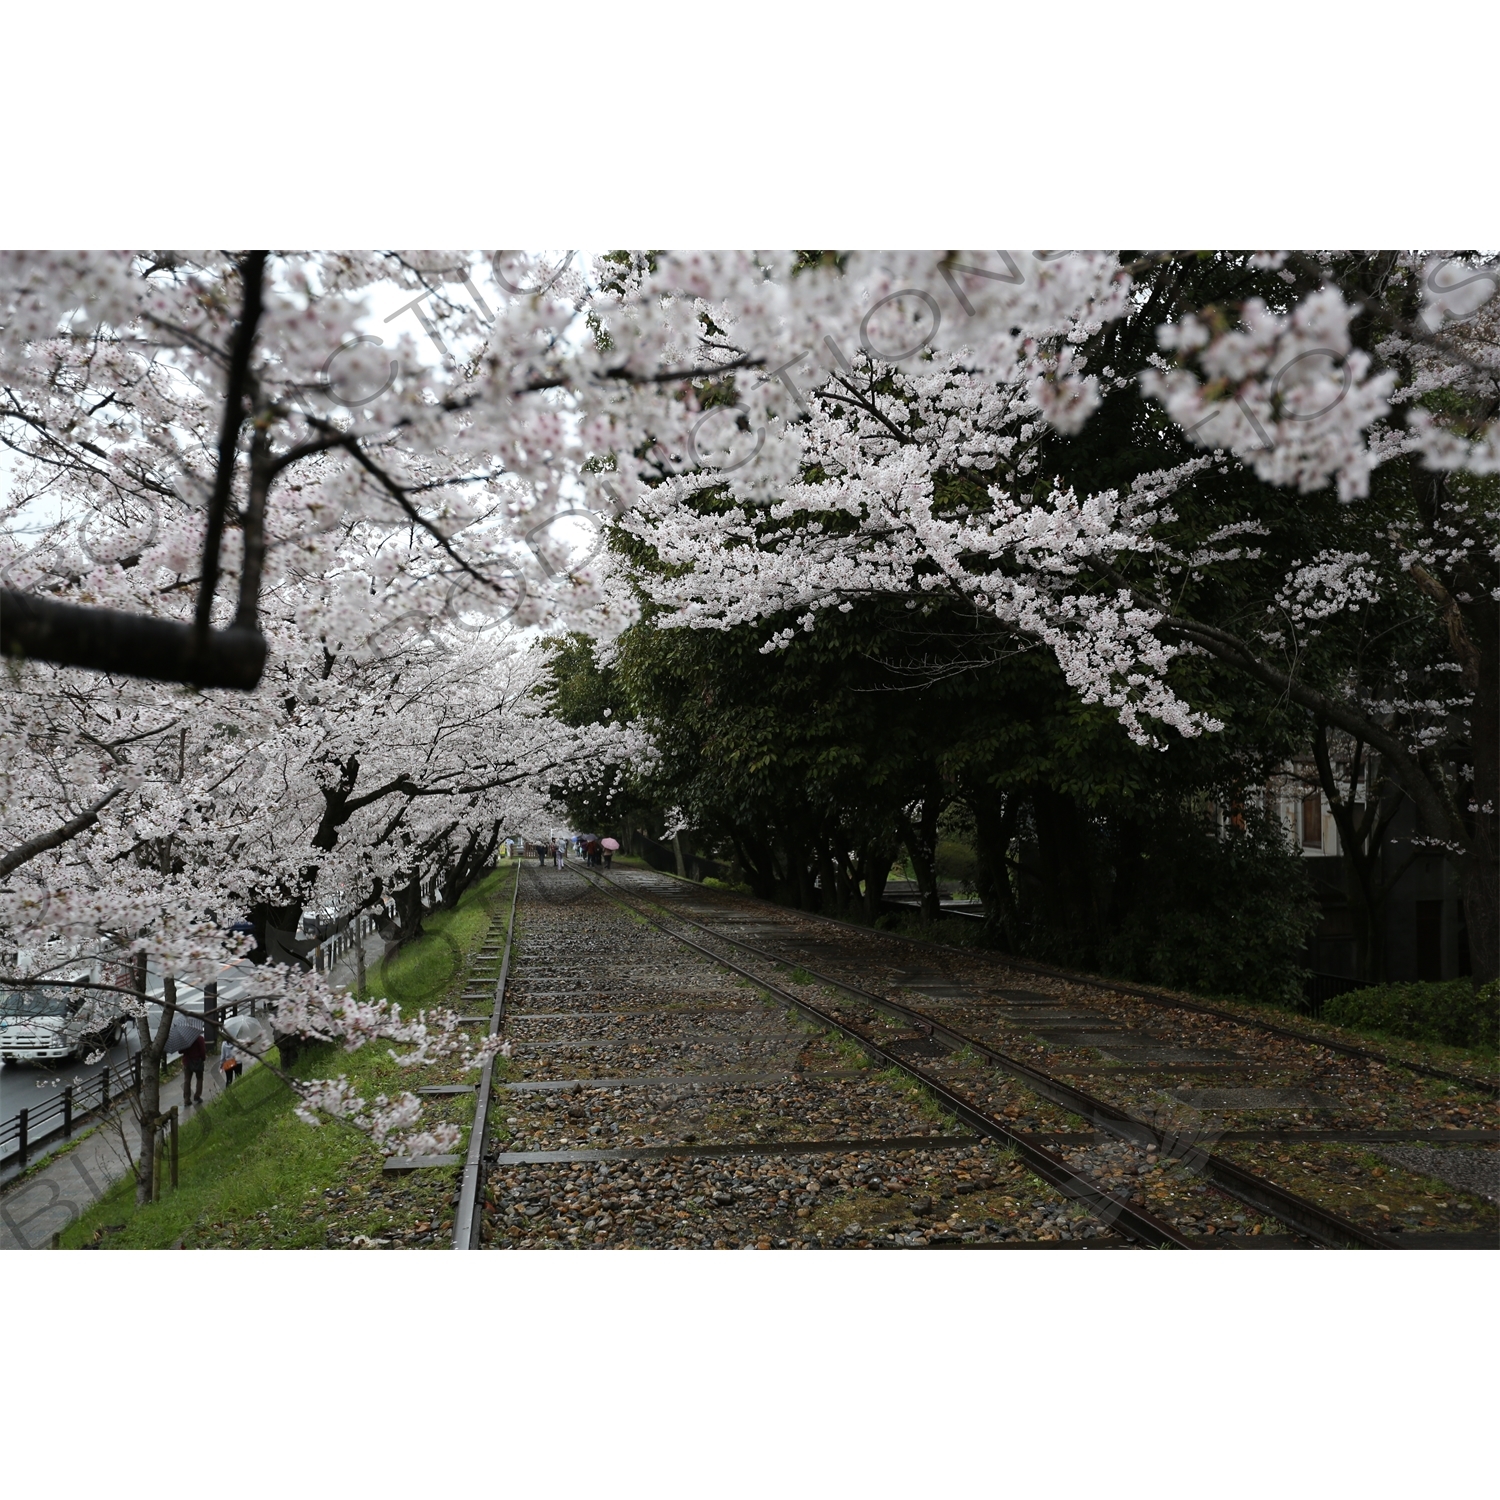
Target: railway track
{"points": [[1172, 1002], [669, 1088], [657, 1097], [486, 982], [1304, 1133]]}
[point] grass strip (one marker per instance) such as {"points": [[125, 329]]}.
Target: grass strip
{"points": [[253, 1176]]}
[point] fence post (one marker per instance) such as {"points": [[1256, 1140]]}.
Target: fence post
{"points": [[135, 1070], [211, 1013], [23, 1118], [68, 1110], [104, 1088], [173, 1117]]}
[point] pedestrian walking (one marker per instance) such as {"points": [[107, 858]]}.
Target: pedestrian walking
{"points": [[229, 1063], [541, 855], [193, 1060], [559, 852]]}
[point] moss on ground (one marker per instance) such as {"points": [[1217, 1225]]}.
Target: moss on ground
{"points": [[252, 1175]]}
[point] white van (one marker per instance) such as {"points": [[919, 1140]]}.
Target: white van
{"points": [[52, 1025]]}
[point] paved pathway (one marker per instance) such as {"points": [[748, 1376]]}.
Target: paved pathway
{"points": [[39, 1206]]}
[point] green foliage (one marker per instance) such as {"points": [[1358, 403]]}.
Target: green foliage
{"points": [[1452, 1012], [1217, 916], [956, 861]]}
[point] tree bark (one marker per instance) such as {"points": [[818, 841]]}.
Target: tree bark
{"points": [[153, 1049], [995, 819], [1367, 880], [920, 837], [878, 856], [59, 836], [128, 645]]}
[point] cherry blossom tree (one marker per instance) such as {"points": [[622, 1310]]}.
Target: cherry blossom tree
{"points": [[248, 486], [385, 748], [1299, 455]]}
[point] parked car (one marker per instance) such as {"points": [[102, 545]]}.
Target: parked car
{"points": [[308, 928], [51, 1025]]}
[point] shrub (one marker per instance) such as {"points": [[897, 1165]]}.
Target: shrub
{"points": [[957, 862], [1452, 1012], [1217, 916]]}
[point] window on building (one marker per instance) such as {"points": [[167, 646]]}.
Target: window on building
{"points": [[1312, 821]]}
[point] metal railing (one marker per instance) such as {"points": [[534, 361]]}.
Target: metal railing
{"points": [[75, 1102], [334, 945]]}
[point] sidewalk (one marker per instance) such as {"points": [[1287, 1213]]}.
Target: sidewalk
{"points": [[343, 970], [43, 1204]]}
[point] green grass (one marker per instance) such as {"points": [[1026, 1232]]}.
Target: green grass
{"points": [[252, 1175], [429, 971]]}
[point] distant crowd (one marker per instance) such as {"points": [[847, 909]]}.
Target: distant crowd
{"points": [[593, 851]]}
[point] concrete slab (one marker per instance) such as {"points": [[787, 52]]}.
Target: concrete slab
{"points": [[1255, 1099]]}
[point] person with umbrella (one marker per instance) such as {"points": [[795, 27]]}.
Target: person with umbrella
{"points": [[608, 846], [240, 1032], [193, 1059], [229, 1061], [185, 1036]]}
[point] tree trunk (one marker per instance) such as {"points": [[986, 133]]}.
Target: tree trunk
{"points": [[1481, 888], [153, 1049], [995, 820], [920, 837], [408, 903], [879, 855], [826, 873], [759, 864], [800, 861], [846, 871], [276, 939]]}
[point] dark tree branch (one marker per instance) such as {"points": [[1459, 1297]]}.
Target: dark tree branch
{"points": [[59, 836], [252, 273], [129, 645]]}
